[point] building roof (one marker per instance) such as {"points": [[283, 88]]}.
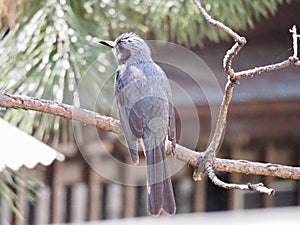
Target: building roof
{"points": [[20, 149]]}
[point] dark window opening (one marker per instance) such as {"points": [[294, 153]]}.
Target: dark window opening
{"points": [[217, 198], [68, 202], [141, 201], [104, 202], [183, 190], [253, 200]]}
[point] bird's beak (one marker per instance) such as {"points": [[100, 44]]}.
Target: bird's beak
{"points": [[107, 43]]}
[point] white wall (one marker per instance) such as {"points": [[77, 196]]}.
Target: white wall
{"points": [[270, 216]]}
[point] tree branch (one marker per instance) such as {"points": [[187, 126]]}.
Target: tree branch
{"points": [[295, 37], [62, 110], [292, 60], [218, 24], [208, 157], [251, 187], [264, 69], [256, 168], [227, 61], [216, 140], [191, 157]]}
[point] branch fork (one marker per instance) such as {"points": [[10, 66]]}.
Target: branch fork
{"points": [[206, 159]]}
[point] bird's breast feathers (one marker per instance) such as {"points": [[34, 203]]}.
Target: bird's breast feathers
{"points": [[140, 80]]}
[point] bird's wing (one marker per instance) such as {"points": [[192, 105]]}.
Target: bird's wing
{"points": [[136, 119], [172, 127], [129, 110], [129, 95]]}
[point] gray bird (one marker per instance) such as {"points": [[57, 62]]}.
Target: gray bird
{"points": [[146, 113]]}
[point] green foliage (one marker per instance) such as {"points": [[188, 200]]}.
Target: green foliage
{"points": [[182, 23], [46, 57], [11, 183]]}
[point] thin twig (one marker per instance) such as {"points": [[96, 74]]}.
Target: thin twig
{"points": [[263, 69], [292, 60], [293, 30], [227, 61], [251, 187], [219, 25]]}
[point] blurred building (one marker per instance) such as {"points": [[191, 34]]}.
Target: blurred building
{"points": [[263, 125]]}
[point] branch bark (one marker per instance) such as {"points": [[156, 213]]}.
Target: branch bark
{"points": [[62, 110]]}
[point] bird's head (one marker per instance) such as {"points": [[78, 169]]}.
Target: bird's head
{"points": [[129, 48]]}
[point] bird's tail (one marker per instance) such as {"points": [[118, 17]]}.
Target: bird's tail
{"points": [[160, 191]]}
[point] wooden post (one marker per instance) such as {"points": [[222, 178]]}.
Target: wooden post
{"points": [[129, 204], [43, 206], [21, 203], [200, 192], [235, 152], [93, 195], [57, 195]]}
